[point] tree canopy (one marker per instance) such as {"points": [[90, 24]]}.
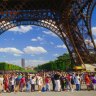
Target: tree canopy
{"points": [[7, 67], [63, 62]]}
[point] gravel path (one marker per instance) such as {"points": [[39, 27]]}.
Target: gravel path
{"points": [[81, 93]]}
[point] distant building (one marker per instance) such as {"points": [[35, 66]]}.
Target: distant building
{"points": [[23, 63], [29, 68]]}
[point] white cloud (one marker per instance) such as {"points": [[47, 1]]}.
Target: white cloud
{"points": [[27, 50], [95, 41], [11, 50], [61, 46], [89, 43], [50, 33], [17, 55], [94, 31], [55, 55], [21, 29], [34, 50], [34, 40], [37, 39]]}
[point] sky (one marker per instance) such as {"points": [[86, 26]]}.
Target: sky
{"points": [[37, 45], [93, 21]]}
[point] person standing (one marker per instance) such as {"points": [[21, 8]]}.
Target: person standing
{"points": [[39, 83], [12, 83], [22, 83], [73, 82], [47, 83], [33, 81], [87, 81], [17, 82], [77, 82], [1, 83], [94, 82], [68, 82], [62, 78], [57, 81], [53, 81], [6, 83]]}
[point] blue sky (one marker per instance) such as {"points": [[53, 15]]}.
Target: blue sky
{"points": [[37, 45]]}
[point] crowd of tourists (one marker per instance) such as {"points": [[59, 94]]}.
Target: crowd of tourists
{"points": [[47, 81]]}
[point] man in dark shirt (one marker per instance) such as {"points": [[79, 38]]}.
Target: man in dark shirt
{"points": [[56, 76], [57, 81]]}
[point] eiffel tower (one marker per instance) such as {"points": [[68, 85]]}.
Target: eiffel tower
{"points": [[69, 19]]}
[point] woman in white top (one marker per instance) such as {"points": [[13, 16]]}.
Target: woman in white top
{"points": [[1, 83], [39, 83], [33, 82], [77, 82]]}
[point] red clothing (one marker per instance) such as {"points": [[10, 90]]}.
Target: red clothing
{"points": [[47, 80], [6, 83], [22, 80], [68, 77], [87, 80]]}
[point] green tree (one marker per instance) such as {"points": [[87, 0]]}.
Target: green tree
{"points": [[61, 63]]}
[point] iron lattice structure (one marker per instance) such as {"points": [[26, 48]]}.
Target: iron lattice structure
{"points": [[69, 19]]}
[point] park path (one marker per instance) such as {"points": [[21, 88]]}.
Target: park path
{"points": [[81, 93]]}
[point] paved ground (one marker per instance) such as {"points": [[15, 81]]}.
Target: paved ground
{"points": [[84, 92], [81, 93]]}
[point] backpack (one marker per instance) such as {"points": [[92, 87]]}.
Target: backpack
{"points": [[43, 89]]}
